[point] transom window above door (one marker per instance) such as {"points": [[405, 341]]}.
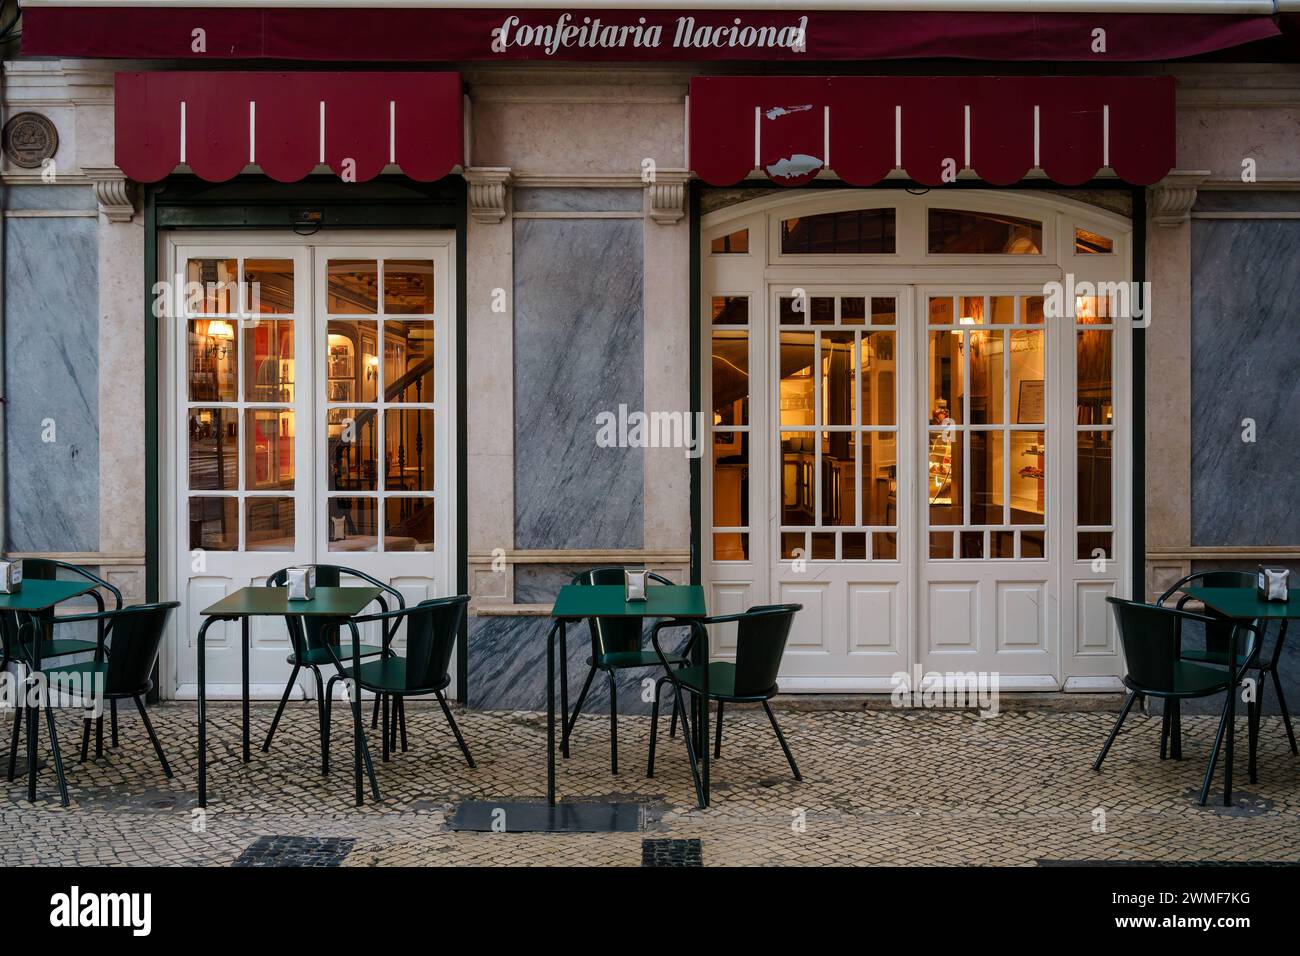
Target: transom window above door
{"points": [[379, 362]]}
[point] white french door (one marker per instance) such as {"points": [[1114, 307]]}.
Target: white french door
{"points": [[308, 393]]}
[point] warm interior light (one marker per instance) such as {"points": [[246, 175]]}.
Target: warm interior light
{"points": [[220, 329]]}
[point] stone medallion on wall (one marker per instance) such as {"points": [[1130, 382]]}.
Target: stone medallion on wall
{"points": [[29, 140]]}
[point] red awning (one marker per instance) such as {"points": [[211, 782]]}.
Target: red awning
{"points": [[287, 124], [864, 128]]}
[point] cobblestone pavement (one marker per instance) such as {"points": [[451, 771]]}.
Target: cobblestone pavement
{"points": [[880, 787]]}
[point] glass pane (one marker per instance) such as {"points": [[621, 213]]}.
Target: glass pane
{"points": [[268, 524], [972, 544], [823, 546], [408, 524], [730, 310], [1092, 310], [884, 311], [853, 546], [987, 451], [798, 462], [736, 242], [353, 437], [352, 361], [408, 361], [970, 310], [884, 546], [839, 468], [945, 479], [853, 310], [1032, 544], [730, 479], [839, 387], [793, 545], [1031, 310], [214, 524], [268, 361], [268, 448], [941, 544], [877, 360], [851, 232], [1094, 545], [879, 479], [945, 377], [219, 279], [730, 378], [353, 287], [1002, 544], [1093, 489], [797, 378], [353, 524], [1028, 477], [1002, 309], [268, 286], [1094, 377], [408, 286], [1028, 360], [790, 314], [408, 449], [731, 546], [821, 310], [986, 367], [214, 449], [941, 311], [1092, 243], [959, 232], [214, 360]]}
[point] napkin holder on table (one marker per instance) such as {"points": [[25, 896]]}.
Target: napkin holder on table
{"points": [[634, 585], [11, 576], [301, 583], [1273, 584]]}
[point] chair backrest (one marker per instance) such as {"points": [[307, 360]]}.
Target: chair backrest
{"points": [[314, 633], [761, 634], [1219, 633], [431, 629], [612, 635], [137, 635], [1150, 635]]}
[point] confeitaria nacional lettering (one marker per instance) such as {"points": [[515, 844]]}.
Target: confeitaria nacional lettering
{"points": [[567, 33]]}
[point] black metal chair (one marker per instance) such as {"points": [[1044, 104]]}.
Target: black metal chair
{"points": [[616, 644], [761, 635], [1218, 635], [47, 569], [311, 639], [431, 630], [1151, 636], [120, 670]]}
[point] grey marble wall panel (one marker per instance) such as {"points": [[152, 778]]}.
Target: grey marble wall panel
{"points": [[578, 330], [540, 583], [50, 197], [578, 200], [51, 366], [1245, 364], [507, 669]]}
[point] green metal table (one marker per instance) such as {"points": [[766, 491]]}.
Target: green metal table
{"points": [[37, 598], [1243, 605], [574, 603], [341, 604]]}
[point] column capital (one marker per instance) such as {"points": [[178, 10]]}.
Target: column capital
{"points": [[668, 195], [487, 192], [113, 192], [1173, 197]]}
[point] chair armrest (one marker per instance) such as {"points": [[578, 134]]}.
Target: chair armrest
{"points": [[381, 616]]}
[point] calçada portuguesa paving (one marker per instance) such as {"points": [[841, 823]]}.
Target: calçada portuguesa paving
{"points": [[899, 787]]}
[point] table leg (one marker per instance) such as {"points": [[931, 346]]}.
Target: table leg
{"points": [[1277, 684], [702, 643], [243, 628], [564, 691], [550, 712], [42, 630], [203, 714], [1232, 720]]}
